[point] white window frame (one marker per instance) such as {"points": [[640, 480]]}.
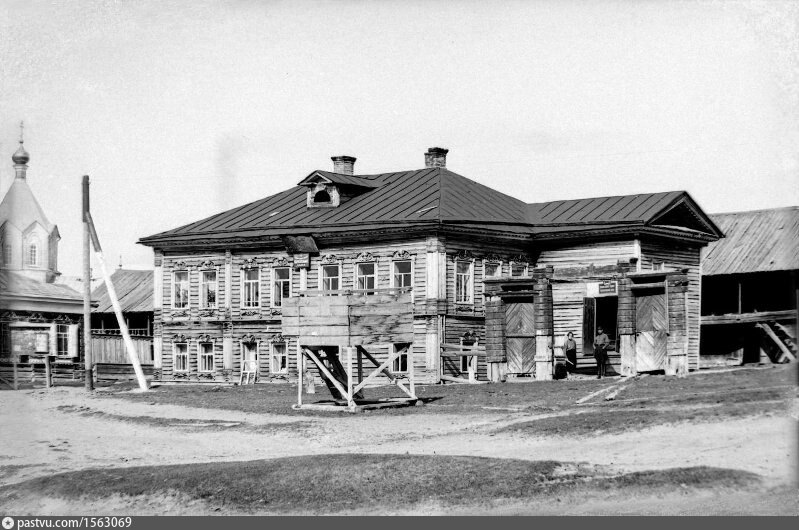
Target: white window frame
{"points": [[175, 287], [273, 356], [33, 249], [201, 355], [244, 282], [322, 276], [393, 282], [357, 277], [62, 337], [499, 269], [470, 283], [175, 356], [273, 286], [257, 355], [203, 283], [397, 363]]}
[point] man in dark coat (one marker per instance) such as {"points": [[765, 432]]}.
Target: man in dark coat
{"points": [[601, 343]]}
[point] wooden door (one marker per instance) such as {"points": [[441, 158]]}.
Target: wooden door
{"points": [[651, 325], [520, 337]]}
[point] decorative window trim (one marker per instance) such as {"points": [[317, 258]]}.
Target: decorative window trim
{"points": [[330, 259], [175, 355], [273, 286], [322, 278], [365, 257], [464, 255], [402, 257], [250, 263], [201, 301], [242, 281], [174, 288], [470, 284], [492, 259], [519, 260], [207, 337], [273, 356], [256, 344], [356, 276], [201, 355], [281, 261], [250, 339]]}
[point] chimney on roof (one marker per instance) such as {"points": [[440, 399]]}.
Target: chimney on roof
{"points": [[343, 165], [436, 157]]}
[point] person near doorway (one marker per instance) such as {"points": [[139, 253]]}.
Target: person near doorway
{"points": [[601, 343], [570, 347]]}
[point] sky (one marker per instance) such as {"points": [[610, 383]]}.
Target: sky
{"points": [[178, 110]]}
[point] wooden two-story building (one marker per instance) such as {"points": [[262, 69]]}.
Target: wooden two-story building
{"points": [[432, 237]]}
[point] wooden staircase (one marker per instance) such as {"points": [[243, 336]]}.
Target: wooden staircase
{"points": [[783, 338]]}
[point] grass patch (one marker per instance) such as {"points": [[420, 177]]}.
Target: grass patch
{"points": [[739, 392], [190, 424], [334, 483]]}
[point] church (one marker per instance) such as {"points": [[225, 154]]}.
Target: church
{"points": [[431, 260], [39, 318]]}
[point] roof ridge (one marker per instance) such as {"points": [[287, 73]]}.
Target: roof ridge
{"points": [[779, 208]]}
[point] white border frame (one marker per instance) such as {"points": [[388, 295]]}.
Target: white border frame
{"points": [[200, 304], [175, 356], [355, 276], [470, 285], [241, 288], [272, 370], [272, 285], [200, 358], [340, 275], [413, 271], [188, 290]]}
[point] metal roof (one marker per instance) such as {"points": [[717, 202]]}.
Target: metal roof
{"points": [[756, 241], [17, 284], [134, 290], [432, 196]]}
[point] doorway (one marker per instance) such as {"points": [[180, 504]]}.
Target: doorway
{"points": [[600, 312], [651, 326], [520, 336]]}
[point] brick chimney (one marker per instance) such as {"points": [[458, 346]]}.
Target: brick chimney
{"points": [[343, 165], [436, 157]]}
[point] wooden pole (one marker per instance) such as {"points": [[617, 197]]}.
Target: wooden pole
{"points": [[48, 372], [411, 376], [87, 293], [300, 374], [16, 376], [112, 294], [350, 401]]}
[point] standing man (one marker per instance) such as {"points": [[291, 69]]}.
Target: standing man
{"points": [[601, 351]]}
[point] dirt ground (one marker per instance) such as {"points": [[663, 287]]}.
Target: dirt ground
{"points": [[63, 429]]}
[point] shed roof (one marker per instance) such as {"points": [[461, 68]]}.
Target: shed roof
{"points": [[134, 290], [756, 241]]}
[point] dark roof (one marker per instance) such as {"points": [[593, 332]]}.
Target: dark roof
{"points": [[672, 210], [756, 241], [134, 290], [17, 284], [435, 196], [364, 181]]}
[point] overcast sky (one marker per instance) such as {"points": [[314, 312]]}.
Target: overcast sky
{"points": [[179, 110]]}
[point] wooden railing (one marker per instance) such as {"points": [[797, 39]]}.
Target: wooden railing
{"points": [[140, 332], [460, 350]]}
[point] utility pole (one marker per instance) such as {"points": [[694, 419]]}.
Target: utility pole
{"points": [[87, 292]]}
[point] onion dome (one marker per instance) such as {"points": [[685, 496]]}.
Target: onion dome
{"points": [[21, 156]]}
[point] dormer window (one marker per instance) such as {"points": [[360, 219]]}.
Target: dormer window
{"points": [[321, 196]]}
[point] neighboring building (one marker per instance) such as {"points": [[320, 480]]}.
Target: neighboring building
{"points": [[134, 290], [749, 288], [38, 318], [432, 237]]}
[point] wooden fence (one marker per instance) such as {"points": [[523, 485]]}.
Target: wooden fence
{"points": [[110, 349]]}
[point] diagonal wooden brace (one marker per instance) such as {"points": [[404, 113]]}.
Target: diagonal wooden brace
{"points": [[325, 371], [383, 368]]}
